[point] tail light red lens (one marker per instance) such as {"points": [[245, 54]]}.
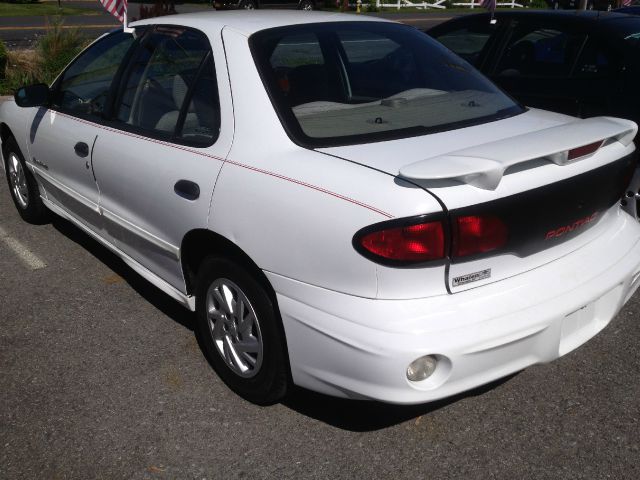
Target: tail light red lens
{"points": [[583, 150], [392, 244], [478, 234], [414, 243]]}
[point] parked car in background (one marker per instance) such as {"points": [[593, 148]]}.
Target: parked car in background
{"points": [[579, 63], [345, 204], [582, 64]]}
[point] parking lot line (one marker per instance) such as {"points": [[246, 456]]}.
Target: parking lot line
{"points": [[30, 259]]}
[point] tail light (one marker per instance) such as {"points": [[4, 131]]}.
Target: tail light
{"points": [[562, 158], [478, 234], [416, 240], [583, 151], [413, 243]]}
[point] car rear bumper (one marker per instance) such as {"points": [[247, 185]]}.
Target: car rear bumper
{"points": [[360, 348]]}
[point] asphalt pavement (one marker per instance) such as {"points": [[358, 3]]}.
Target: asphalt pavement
{"points": [[101, 377]]}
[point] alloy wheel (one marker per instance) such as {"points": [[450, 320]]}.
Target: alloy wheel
{"points": [[18, 181], [234, 327]]}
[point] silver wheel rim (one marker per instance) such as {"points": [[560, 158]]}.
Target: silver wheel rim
{"points": [[307, 6], [234, 327], [18, 181], [249, 6]]}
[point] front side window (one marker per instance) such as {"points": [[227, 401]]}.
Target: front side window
{"points": [[169, 89], [351, 82], [83, 88]]}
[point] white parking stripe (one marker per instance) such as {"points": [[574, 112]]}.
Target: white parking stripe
{"points": [[29, 258]]}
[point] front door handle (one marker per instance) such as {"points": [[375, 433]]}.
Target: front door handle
{"points": [[81, 149], [187, 189]]}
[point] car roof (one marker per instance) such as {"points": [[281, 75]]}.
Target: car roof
{"points": [[248, 22]]}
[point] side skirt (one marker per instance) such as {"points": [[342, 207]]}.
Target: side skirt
{"points": [[187, 301]]}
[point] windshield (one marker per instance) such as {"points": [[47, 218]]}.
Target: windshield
{"points": [[355, 82]]}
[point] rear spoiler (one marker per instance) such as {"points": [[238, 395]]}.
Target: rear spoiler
{"points": [[484, 165]]}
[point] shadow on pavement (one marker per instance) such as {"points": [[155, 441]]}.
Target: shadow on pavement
{"points": [[367, 416], [146, 290], [352, 415]]}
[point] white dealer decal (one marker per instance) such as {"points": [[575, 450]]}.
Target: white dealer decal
{"points": [[471, 277]]}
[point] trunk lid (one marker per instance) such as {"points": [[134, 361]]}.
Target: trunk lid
{"points": [[518, 170]]}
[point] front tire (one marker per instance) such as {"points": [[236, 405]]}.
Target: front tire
{"points": [[23, 187], [240, 331]]}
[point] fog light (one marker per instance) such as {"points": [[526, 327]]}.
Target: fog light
{"points": [[421, 368]]}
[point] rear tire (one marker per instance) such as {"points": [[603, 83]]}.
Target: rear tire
{"points": [[240, 331], [23, 187]]}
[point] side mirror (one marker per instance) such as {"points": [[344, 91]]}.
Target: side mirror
{"points": [[33, 95]]}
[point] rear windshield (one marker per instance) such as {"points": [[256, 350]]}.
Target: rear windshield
{"points": [[355, 82]]}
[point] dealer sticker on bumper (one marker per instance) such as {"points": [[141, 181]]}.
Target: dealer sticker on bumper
{"points": [[471, 277]]}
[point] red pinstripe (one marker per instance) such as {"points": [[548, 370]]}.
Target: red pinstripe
{"points": [[248, 167]]}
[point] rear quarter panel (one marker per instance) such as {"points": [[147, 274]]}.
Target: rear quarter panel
{"points": [[295, 211]]}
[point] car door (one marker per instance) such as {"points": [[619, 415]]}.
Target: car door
{"points": [[61, 138], [170, 132], [599, 79], [536, 64]]}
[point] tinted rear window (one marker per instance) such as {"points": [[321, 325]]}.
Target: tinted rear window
{"points": [[353, 82]]}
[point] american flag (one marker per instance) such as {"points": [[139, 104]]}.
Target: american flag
{"points": [[117, 8], [626, 3], [489, 5]]}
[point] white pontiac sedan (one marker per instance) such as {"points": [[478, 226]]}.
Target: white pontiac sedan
{"points": [[347, 205]]}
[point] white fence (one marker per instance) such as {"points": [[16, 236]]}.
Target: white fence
{"points": [[472, 4], [435, 4], [406, 3]]}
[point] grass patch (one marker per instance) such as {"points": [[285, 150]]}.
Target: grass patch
{"points": [[38, 9], [22, 69]]}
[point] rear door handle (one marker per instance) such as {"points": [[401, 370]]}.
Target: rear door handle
{"points": [[81, 149], [187, 189]]}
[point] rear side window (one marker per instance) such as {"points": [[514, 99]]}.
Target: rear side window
{"points": [[468, 42], [540, 52], [353, 82], [84, 87], [169, 90]]}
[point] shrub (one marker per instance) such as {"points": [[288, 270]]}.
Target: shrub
{"points": [[372, 6], [3, 60], [53, 52], [22, 69], [57, 48]]}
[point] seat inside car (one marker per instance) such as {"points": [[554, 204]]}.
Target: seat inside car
{"points": [[169, 119], [309, 83]]}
